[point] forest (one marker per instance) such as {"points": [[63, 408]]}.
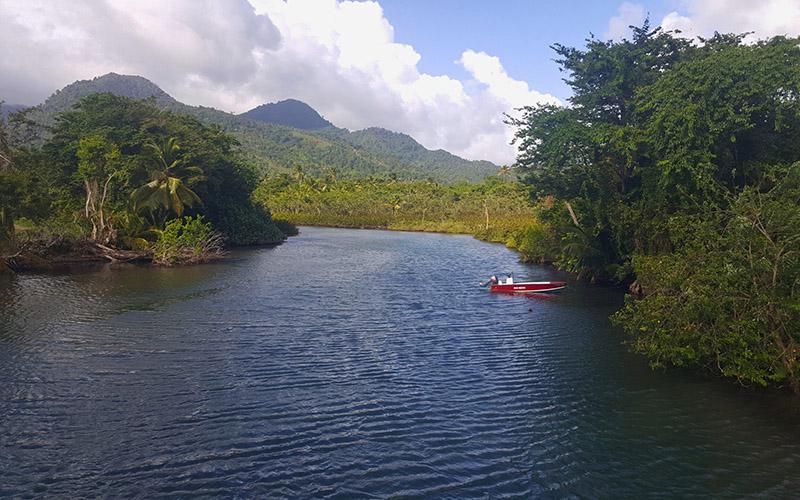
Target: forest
{"points": [[121, 179], [675, 170]]}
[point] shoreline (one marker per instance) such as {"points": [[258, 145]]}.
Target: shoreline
{"points": [[385, 228], [31, 262]]}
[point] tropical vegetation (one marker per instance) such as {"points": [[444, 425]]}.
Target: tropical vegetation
{"points": [[496, 209], [675, 169], [187, 240], [114, 172]]}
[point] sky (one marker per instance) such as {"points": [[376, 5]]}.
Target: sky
{"points": [[443, 71]]}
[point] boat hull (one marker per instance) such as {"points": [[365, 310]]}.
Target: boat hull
{"points": [[529, 287]]}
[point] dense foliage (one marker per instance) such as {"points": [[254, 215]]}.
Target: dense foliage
{"points": [[495, 209], [120, 169], [675, 166]]}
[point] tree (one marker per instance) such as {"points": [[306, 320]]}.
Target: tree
{"points": [[505, 172], [716, 119], [16, 189], [98, 161], [729, 298], [168, 191], [5, 148]]}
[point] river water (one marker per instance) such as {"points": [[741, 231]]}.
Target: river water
{"points": [[350, 364]]}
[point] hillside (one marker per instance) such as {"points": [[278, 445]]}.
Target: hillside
{"points": [[404, 148], [393, 147], [135, 87], [273, 148], [289, 113]]}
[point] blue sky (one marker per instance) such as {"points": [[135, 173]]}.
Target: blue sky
{"points": [[519, 32]]}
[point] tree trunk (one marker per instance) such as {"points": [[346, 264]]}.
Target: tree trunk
{"points": [[90, 208], [572, 215], [95, 209], [105, 228]]}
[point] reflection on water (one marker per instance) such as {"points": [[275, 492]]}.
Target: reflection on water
{"points": [[358, 363]]}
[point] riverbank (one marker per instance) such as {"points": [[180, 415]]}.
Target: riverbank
{"points": [[47, 255], [39, 252]]}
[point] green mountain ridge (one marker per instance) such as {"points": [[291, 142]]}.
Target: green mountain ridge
{"points": [[394, 146], [404, 148], [274, 148]]}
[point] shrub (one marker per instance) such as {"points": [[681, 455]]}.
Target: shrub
{"points": [[245, 223], [728, 299], [187, 241]]}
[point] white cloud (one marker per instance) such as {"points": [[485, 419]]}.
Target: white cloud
{"points": [[339, 56], [628, 14], [46, 44], [763, 17]]}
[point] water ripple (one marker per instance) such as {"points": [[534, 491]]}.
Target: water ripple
{"points": [[358, 364]]}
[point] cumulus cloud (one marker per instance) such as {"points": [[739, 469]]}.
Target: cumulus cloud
{"points": [[764, 18], [339, 56], [628, 14], [48, 44]]}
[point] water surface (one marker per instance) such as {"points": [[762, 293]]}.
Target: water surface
{"points": [[349, 364]]}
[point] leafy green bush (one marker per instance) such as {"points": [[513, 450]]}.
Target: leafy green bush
{"points": [[727, 299], [536, 243], [187, 241]]}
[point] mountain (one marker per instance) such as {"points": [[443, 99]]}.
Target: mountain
{"points": [[275, 148], [289, 113], [384, 143], [135, 87], [405, 149]]}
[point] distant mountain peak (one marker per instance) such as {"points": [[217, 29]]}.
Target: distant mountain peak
{"points": [[132, 86], [271, 135], [289, 113]]}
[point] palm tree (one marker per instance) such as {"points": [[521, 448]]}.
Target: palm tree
{"points": [[504, 172], [168, 190]]}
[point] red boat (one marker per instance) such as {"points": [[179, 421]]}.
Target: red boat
{"points": [[511, 286]]}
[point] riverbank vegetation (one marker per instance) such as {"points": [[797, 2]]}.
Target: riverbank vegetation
{"points": [[496, 209], [676, 165], [115, 178]]}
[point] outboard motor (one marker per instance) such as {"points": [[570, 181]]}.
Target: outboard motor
{"points": [[492, 281]]}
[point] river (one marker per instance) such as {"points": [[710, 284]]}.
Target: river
{"points": [[350, 364]]}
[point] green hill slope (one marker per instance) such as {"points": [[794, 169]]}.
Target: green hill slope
{"points": [[405, 149], [274, 148]]}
